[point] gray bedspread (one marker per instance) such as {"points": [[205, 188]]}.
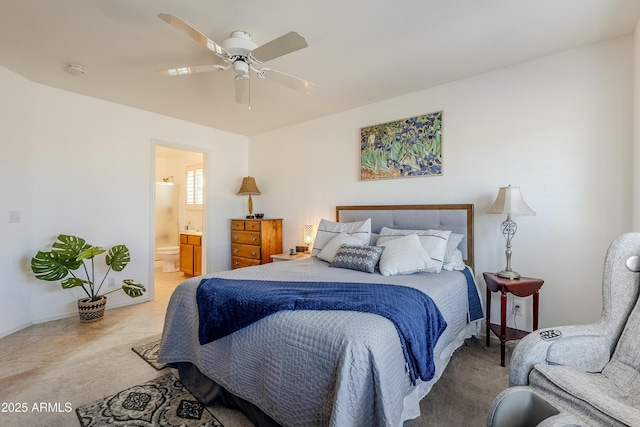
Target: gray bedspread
{"points": [[318, 368]]}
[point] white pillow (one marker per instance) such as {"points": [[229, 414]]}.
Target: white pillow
{"points": [[405, 255], [327, 230], [456, 262], [452, 246], [328, 253], [433, 241]]}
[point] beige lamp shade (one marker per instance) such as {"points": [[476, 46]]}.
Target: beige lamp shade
{"points": [[510, 202], [248, 188]]}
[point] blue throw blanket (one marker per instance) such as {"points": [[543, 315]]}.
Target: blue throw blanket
{"points": [[226, 305]]}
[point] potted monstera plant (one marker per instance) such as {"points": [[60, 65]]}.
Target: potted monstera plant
{"points": [[71, 253]]}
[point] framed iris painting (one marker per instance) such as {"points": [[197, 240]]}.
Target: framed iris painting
{"points": [[403, 148]]}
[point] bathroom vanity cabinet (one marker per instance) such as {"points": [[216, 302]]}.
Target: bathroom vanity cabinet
{"points": [[191, 254], [253, 241]]}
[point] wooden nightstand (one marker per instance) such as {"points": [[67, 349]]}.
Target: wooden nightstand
{"points": [[522, 287], [254, 240], [288, 257]]}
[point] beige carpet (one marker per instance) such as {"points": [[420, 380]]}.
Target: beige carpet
{"points": [[465, 391]]}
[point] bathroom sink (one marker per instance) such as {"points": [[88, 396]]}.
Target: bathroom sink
{"points": [[195, 232]]}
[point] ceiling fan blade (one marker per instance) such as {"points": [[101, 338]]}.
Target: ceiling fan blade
{"points": [[190, 70], [196, 35], [243, 86], [287, 43], [287, 80]]}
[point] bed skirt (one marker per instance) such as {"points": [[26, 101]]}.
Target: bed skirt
{"points": [[209, 392]]}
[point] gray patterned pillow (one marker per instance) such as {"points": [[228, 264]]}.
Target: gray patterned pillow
{"points": [[360, 258]]}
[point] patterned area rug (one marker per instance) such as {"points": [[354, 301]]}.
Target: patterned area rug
{"points": [[149, 352], [163, 401]]}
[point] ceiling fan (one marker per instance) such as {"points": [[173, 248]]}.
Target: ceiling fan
{"points": [[240, 53]]}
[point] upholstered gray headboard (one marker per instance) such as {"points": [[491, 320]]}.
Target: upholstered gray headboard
{"points": [[457, 218]]}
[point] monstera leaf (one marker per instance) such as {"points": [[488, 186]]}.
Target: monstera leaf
{"points": [[70, 246], [118, 257], [63, 258], [52, 266], [73, 282], [132, 288], [90, 252]]}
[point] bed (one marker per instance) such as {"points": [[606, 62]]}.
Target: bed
{"points": [[330, 367]]}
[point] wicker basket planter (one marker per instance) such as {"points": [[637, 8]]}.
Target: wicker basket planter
{"points": [[91, 311]]}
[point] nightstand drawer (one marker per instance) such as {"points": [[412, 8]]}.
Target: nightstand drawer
{"points": [[237, 225], [237, 262], [246, 251], [246, 237], [240, 225], [252, 225]]}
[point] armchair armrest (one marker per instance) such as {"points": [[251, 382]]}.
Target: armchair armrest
{"points": [[533, 349], [588, 353]]}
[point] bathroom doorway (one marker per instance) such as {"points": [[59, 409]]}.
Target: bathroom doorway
{"points": [[178, 210]]}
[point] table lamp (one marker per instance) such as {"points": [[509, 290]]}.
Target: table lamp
{"points": [[249, 187], [510, 202], [308, 232]]}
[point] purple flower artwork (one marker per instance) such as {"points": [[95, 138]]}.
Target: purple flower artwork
{"points": [[403, 148]]}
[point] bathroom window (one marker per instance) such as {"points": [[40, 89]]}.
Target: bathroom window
{"points": [[195, 185]]}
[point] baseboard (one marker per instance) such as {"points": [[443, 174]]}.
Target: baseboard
{"points": [[110, 306], [7, 332]]}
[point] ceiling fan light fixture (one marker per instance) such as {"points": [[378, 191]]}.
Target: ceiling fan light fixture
{"points": [[240, 67], [243, 90]]}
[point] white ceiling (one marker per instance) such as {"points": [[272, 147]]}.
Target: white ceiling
{"points": [[360, 51]]}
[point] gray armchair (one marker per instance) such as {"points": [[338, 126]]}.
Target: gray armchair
{"points": [[590, 371]]}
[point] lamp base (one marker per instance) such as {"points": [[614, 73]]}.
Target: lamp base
{"points": [[508, 274]]}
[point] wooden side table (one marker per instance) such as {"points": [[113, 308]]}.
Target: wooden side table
{"points": [[288, 257], [522, 287]]}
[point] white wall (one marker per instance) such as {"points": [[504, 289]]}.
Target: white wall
{"points": [[559, 127], [636, 127], [15, 176], [79, 165]]}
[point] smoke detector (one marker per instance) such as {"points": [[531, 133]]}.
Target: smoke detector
{"points": [[76, 70]]}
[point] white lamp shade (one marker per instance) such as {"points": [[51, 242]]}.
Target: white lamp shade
{"points": [[510, 202], [308, 234]]}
